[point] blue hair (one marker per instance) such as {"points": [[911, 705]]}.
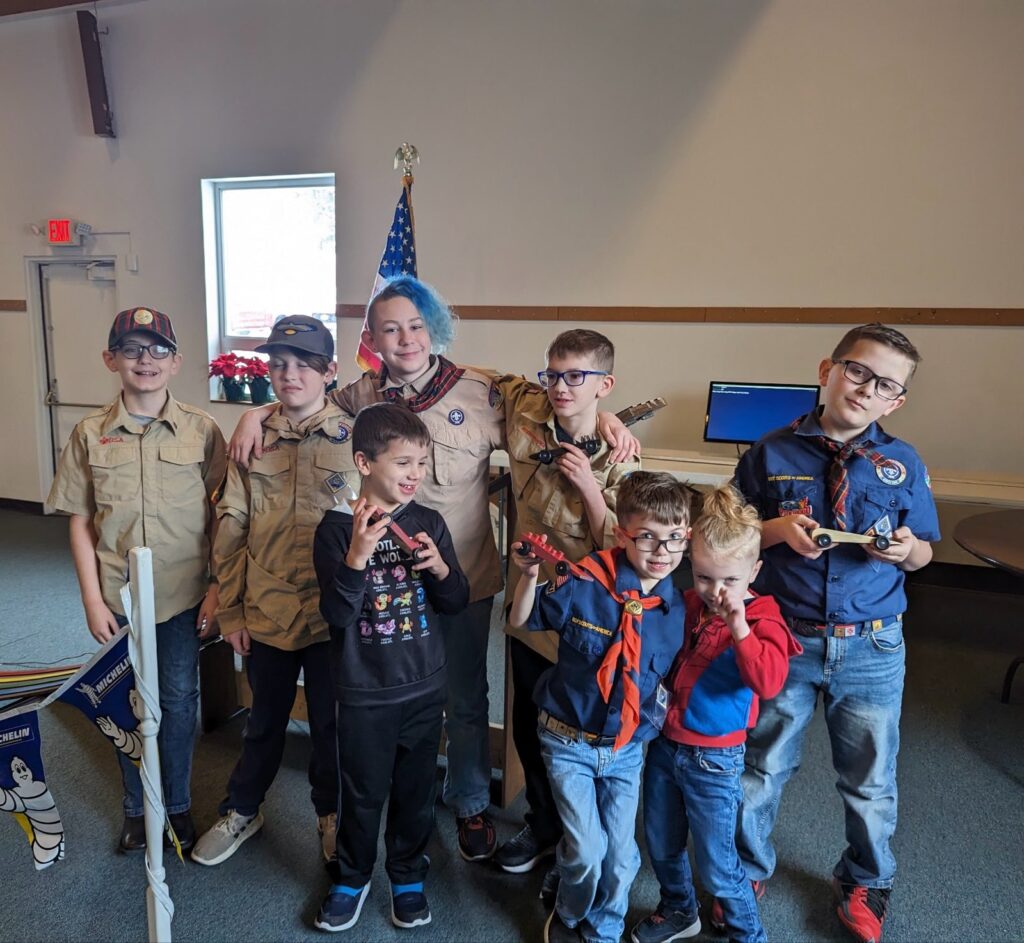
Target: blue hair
{"points": [[437, 315]]}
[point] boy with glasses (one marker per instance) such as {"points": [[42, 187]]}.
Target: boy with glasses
{"points": [[837, 468], [618, 621], [141, 472]]}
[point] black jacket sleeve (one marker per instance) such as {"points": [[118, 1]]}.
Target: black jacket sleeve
{"points": [[342, 589], [450, 595]]}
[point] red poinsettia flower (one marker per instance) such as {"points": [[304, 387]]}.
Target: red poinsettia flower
{"points": [[228, 366], [257, 367]]}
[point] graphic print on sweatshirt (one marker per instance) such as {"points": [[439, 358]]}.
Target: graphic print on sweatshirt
{"points": [[395, 606]]}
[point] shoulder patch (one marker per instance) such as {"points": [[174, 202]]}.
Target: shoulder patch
{"points": [[494, 397]]}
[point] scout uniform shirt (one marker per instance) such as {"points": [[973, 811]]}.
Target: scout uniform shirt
{"points": [[545, 501], [462, 410], [145, 485], [267, 517]]}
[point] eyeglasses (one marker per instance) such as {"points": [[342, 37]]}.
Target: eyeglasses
{"points": [[550, 378], [884, 387], [653, 545], [134, 351]]}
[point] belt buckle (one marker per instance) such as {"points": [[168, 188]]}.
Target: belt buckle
{"points": [[845, 630]]}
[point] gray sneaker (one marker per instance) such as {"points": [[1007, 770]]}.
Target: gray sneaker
{"points": [[327, 828], [666, 925], [222, 841]]}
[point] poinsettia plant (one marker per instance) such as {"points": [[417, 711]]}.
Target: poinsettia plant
{"points": [[230, 366]]}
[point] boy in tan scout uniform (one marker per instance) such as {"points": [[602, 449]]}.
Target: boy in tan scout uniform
{"points": [[465, 412], [140, 472], [571, 500], [269, 597]]}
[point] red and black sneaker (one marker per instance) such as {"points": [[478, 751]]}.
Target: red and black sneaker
{"points": [[718, 917], [862, 910], [477, 839]]}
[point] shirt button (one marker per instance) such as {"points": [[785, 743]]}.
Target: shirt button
{"points": [[833, 579], [833, 615], [892, 504], [612, 710]]}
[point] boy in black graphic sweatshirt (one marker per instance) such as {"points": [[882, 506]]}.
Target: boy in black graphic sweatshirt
{"points": [[387, 662]]}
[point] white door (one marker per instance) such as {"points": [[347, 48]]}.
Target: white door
{"points": [[79, 304]]}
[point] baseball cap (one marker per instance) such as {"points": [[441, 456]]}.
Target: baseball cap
{"points": [[142, 319], [302, 333]]}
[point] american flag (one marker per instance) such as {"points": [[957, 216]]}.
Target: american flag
{"points": [[398, 258]]}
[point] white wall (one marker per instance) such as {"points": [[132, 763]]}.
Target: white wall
{"points": [[574, 152]]}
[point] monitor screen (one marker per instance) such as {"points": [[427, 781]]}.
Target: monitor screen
{"points": [[743, 412]]}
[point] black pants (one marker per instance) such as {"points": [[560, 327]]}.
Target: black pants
{"points": [[273, 675], [387, 753], [541, 814]]}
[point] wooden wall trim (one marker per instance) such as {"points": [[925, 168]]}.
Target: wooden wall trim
{"points": [[13, 304], [12, 7], [970, 317]]}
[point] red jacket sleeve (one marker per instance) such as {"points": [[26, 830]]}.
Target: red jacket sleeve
{"points": [[763, 656]]}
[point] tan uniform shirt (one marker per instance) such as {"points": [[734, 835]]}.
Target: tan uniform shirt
{"points": [[545, 501], [267, 517], [145, 486], [466, 424]]}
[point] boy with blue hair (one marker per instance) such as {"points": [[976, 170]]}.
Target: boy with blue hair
{"points": [[837, 468]]}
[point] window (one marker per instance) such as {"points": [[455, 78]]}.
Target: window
{"points": [[270, 251]]}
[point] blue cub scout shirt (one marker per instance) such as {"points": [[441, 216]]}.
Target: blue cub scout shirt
{"points": [[786, 472], [587, 620]]}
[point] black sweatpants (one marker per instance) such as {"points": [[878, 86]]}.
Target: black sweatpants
{"points": [[387, 753], [273, 675], [541, 814]]}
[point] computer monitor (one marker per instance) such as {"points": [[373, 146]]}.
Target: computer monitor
{"points": [[743, 412]]}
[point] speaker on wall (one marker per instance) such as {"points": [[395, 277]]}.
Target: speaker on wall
{"points": [[102, 119]]}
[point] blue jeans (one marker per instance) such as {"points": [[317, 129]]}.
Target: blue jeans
{"points": [[697, 789], [177, 654], [597, 791], [860, 680], [467, 782]]}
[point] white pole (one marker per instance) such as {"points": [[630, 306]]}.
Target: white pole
{"points": [[143, 630]]}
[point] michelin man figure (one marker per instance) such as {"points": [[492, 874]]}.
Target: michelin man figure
{"points": [[33, 806], [129, 742]]}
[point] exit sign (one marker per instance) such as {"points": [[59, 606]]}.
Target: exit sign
{"points": [[61, 232]]}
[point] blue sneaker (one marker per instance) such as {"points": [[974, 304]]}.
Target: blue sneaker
{"points": [[409, 907], [341, 908]]}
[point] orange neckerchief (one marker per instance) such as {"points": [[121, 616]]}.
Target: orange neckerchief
{"points": [[625, 650]]}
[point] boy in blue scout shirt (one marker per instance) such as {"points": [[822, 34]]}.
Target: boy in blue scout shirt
{"points": [[837, 468], [618, 634]]}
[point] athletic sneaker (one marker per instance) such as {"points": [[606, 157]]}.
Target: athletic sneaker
{"points": [[410, 908], [557, 932], [862, 910], [327, 829], [665, 925], [718, 917], [523, 852], [549, 887], [477, 838], [341, 908], [222, 841]]}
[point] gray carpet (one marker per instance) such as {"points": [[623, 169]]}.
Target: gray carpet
{"points": [[959, 842]]}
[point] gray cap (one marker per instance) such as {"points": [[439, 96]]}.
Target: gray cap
{"points": [[300, 332]]}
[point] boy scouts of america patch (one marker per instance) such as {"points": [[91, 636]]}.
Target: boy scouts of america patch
{"points": [[343, 434], [456, 417], [335, 482], [799, 506], [494, 396], [891, 472]]}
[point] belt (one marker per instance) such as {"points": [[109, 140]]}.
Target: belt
{"points": [[810, 629], [573, 733]]}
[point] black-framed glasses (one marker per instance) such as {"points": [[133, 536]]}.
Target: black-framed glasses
{"points": [[884, 387], [134, 351], [550, 378], [653, 544]]}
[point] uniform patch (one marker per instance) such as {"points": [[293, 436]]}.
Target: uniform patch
{"points": [[799, 506], [891, 472], [343, 433], [111, 439], [928, 479], [142, 316], [494, 396], [791, 478], [335, 482], [881, 528], [456, 417]]}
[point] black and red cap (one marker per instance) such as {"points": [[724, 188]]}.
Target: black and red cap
{"points": [[148, 320]]}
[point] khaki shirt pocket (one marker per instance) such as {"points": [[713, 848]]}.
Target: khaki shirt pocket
{"points": [[336, 476], [269, 481], [275, 598], [453, 465], [181, 473], [116, 473]]}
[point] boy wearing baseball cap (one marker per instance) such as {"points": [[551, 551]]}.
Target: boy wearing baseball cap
{"points": [[269, 603], [141, 472]]}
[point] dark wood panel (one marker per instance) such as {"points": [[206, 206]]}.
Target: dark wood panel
{"points": [[13, 304], [10, 7], [970, 317]]}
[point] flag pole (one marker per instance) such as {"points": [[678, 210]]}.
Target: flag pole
{"points": [[142, 628]]}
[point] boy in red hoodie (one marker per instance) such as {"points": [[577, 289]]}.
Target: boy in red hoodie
{"points": [[737, 649]]}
